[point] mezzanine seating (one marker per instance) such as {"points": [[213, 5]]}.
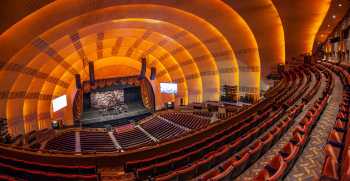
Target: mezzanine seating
{"points": [[96, 141], [279, 166], [132, 137], [187, 164], [161, 129], [336, 165], [204, 114], [28, 170], [63, 142], [186, 120]]}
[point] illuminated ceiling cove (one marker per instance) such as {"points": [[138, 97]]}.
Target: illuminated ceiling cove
{"points": [[201, 45]]}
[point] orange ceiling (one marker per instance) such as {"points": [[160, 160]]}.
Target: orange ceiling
{"points": [[201, 45]]}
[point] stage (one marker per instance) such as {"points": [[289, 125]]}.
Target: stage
{"points": [[98, 117]]}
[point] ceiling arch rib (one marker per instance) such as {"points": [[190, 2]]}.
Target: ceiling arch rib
{"points": [[302, 25], [244, 53], [225, 68], [170, 61], [271, 50], [188, 45], [46, 88], [174, 50], [49, 88]]}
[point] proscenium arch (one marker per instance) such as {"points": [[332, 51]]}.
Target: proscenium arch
{"points": [[113, 61], [78, 64], [92, 45]]}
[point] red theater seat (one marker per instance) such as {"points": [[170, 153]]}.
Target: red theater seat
{"points": [[289, 153], [340, 125], [335, 138], [240, 162], [330, 170], [332, 151], [255, 151], [298, 139], [171, 176], [267, 142], [276, 168], [143, 173], [188, 172], [225, 175]]}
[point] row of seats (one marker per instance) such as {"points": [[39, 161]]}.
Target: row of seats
{"points": [[132, 138], [147, 169], [200, 160], [161, 129], [96, 141], [315, 88], [211, 159], [336, 165], [237, 163], [282, 163], [129, 138], [186, 120], [303, 89], [203, 113], [63, 142], [30, 170]]}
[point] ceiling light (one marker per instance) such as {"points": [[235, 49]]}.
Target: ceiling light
{"points": [[334, 16], [340, 4], [328, 26]]}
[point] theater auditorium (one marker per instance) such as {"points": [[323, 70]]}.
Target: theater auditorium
{"points": [[174, 90]]}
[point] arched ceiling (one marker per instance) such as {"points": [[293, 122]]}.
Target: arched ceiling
{"points": [[335, 14], [201, 45], [301, 21], [254, 12]]}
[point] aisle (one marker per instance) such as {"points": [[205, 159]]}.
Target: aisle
{"points": [[309, 164]]}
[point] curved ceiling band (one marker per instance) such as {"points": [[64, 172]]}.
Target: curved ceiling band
{"points": [[302, 24], [248, 53], [271, 50], [46, 87], [71, 77], [57, 91]]}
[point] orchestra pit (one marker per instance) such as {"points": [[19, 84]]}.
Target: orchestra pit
{"points": [[174, 90]]}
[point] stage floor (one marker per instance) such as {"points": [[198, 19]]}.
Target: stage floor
{"points": [[94, 116]]}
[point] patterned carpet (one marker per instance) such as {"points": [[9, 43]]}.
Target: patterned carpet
{"points": [[253, 170], [309, 165]]}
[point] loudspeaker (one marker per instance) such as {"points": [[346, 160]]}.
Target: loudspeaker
{"points": [[153, 73], [143, 68], [77, 81], [92, 73]]}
